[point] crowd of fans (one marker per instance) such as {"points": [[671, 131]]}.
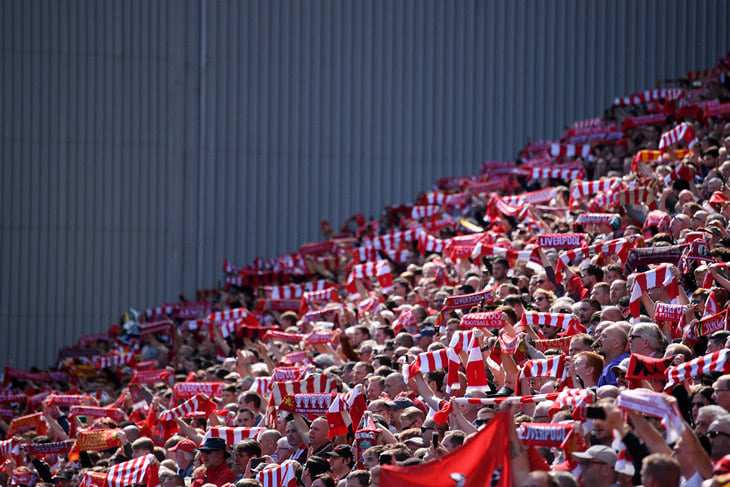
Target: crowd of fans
{"points": [[579, 293]]}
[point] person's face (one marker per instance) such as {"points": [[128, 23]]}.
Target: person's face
{"points": [[594, 472], [318, 432], [428, 429], [357, 376], [227, 397], [213, 459], [611, 276], [722, 393], [181, 459], [358, 336], [542, 303], [550, 332], [698, 400], [499, 271], [719, 433], [337, 464], [393, 386], [702, 424], [581, 367], [577, 346], [282, 454], [292, 435], [639, 344], [245, 419], [618, 291], [370, 461], [374, 390], [240, 460], [318, 483], [584, 312], [379, 336]]}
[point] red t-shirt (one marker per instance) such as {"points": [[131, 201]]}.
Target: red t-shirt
{"points": [[222, 474]]}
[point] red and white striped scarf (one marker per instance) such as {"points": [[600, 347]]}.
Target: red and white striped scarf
{"points": [[319, 336], [9, 447], [713, 362], [564, 321], [717, 110], [291, 291], [590, 122], [550, 435], [580, 189], [298, 357], [444, 199], [619, 247], [312, 384], [682, 171], [661, 276], [533, 197], [683, 131], [159, 311], [557, 173], [427, 362], [195, 404], [460, 340], [262, 385], [233, 435], [70, 400], [283, 336], [380, 270], [549, 367], [569, 150], [490, 401], [429, 243], [112, 359], [345, 409], [667, 94], [229, 315], [142, 470], [508, 344], [424, 211], [283, 475], [653, 404], [106, 412], [91, 478]]}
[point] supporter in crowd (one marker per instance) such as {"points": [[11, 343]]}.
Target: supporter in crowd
{"points": [[547, 298]]}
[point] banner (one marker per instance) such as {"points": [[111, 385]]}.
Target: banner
{"points": [[482, 461]]}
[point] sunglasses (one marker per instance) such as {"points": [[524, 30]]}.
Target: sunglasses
{"points": [[715, 434], [480, 422]]}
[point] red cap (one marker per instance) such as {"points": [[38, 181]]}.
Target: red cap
{"points": [[185, 445]]}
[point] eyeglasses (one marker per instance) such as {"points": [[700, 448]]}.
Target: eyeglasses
{"points": [[715, 434], [440, 430], [698, 404], [480, 422]]}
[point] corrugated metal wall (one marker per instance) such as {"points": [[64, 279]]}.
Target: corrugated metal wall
{"points": [[145, 142]]}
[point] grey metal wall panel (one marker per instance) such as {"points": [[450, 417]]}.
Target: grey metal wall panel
{"points": [[145, 142]]}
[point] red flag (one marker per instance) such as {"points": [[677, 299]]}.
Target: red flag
{"points": [[643, 367], [483, 461]]}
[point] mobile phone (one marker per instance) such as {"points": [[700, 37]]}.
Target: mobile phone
{"points": [[385, 458], [435, 440], [595, 412], [255, 462]]}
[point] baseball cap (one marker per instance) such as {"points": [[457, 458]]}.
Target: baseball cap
{"points": [[623, 366], [185, 445], [601, 453], [344, 451], [399, 403]]}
